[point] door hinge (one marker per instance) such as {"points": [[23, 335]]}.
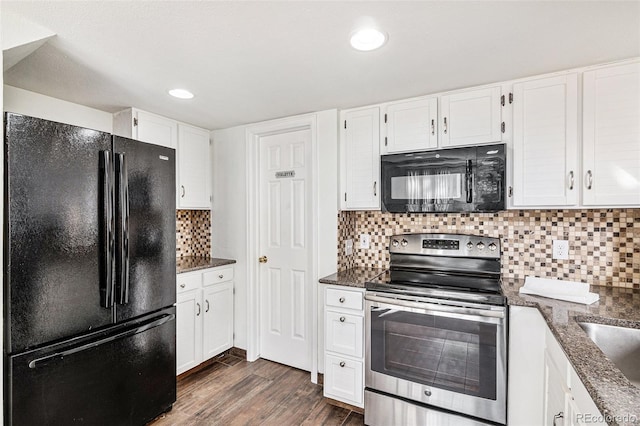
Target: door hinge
{"points": [[510, 98], [345, 124], [502, 100], [510, 191], [503, 127], [135, 121], [385, 141], [385, 118]]}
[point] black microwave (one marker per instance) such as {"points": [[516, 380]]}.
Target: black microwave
{"points": [[468, 179]]}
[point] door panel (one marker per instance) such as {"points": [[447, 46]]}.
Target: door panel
{"points": [[125, 377], [54, 244], [152, 227], [284, 239]]}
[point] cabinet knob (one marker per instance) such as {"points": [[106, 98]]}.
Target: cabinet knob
{"points": [[560, 415], [342, 364], [183, 285], [342, 319], [263, 259], [183, 191], [199, 309], [221, 276], [207, 310], [589, 179], [341, 300], [571, 180]]}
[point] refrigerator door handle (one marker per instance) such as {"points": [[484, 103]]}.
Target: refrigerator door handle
{"points": [[154, 322], [106, 284], [122, 207]]}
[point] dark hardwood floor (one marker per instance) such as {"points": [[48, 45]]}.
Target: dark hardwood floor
{"points": [[232, 391]]}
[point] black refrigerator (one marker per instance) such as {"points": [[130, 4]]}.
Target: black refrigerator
{"points": [[89, 276]]}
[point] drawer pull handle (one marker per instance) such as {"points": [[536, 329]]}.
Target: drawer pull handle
{"points": [[342, 364], [560, 415], [183, 285], [207, 310], [221, 276], [341, 300], [342, 319]]}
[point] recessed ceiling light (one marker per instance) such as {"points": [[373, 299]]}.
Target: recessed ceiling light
{"points": [[368, 39], [181, 93]]}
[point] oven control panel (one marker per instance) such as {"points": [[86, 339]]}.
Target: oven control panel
{"points": [[446, 245]]}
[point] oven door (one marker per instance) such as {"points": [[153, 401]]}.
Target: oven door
{"points": [[452, 357]]}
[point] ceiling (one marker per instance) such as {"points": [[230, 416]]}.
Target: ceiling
{"points": [[254, 61]]}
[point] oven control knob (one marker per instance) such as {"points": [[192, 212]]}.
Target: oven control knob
{"points": [[492, 247], [480, 245], [404, 242], [395, 243], [470, 245]]}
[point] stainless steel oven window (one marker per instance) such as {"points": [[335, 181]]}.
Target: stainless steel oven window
{"points": [[454, 354]]}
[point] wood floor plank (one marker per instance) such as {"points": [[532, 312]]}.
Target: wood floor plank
{"points": [[232, 391]]}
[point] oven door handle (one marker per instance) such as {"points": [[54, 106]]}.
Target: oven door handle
{"points": [[486, 313]]}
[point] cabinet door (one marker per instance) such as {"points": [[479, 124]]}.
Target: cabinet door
{"points": [[556, 395], [545, 142], [193, 168], [155, 129], [344, 333], [472, 117], [611, 136], [218, 319], [411, 126], [188, 330], [361, 154], [343, 380]]}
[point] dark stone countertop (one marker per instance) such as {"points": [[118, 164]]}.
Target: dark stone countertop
{"points": [[614, 395], [193, 263], [353, 277]]}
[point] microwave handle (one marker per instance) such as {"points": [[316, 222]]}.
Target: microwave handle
{"points": [[469, 181]]}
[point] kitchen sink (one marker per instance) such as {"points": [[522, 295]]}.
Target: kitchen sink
{"points": [[620, 344]]}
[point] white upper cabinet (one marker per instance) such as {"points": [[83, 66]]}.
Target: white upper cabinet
{"points": [[411, 125], [360, 158], [545, 142], [611, 136], [146, 127], [471, 117], [193, 191]]}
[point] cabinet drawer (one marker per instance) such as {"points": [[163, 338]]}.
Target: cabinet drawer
{"points": [[343, 380], [218, 276], [344, 333], [186, 282], [344, 299]]}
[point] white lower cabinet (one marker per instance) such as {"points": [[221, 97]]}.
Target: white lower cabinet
{"points": [[204, 323], [344, 345], [543, 386]]}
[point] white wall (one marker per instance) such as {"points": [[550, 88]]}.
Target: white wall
{"points": [[228, 216], [36, 105]]}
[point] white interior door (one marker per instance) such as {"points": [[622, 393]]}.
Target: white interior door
{"points": [[285, 240]]}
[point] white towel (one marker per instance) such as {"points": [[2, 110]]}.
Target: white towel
{"points": [[559, 289]]}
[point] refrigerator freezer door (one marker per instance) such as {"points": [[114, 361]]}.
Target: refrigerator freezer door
{"points": [[123, 376], [54, 264], [151, 226]]}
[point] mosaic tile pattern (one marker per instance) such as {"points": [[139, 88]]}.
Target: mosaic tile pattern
{"points": [[193, 233], [604, 245]]}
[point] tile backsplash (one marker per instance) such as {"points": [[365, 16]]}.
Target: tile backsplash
{"points": [[604, 245], [193, 233]]}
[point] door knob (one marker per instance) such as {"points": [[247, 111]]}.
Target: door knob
{"points": [[263, 259]]}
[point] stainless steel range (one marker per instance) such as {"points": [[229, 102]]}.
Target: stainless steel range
{"points": [[436, 327]]}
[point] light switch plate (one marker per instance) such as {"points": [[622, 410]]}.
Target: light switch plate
{"points": [[365, 241], [561, 249], [348, 247]]}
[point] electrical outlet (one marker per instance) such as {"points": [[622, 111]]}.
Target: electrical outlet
{"points": [[348, 247], [365, 241], [561, 249]]}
